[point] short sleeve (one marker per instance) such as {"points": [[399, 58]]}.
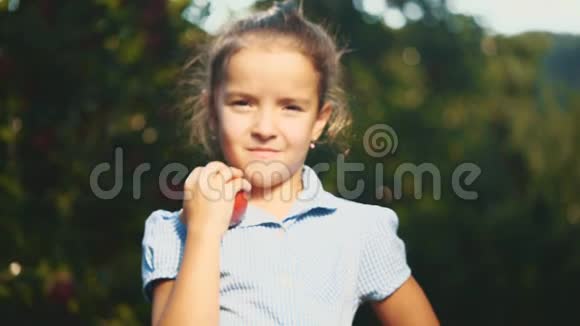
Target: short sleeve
{"points": [[383, 264], [162, 248]]}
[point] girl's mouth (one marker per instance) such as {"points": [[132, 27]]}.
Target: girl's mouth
{"points": [[264, 153]]}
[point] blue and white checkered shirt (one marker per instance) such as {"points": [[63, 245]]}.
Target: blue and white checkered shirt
{"points": [[315, 267]]}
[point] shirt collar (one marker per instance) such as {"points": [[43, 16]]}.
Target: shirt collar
{"points": [[312, 196]]}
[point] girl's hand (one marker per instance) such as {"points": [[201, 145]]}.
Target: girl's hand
{"points": [[209, 194]]}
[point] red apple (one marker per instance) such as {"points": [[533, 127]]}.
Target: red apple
{"points": [[240, 205]]}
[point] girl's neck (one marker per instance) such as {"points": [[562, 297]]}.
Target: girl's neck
{"points": [[279, 199]]}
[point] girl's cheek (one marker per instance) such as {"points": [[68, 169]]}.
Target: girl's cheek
{"points": [[298, 131], [232, 125]]}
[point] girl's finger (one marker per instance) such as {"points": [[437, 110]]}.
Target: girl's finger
{"points": [[246, 185], [227, 173], [213, 166], [208, 174], [192, 178], [234, 187], [237, 172]]}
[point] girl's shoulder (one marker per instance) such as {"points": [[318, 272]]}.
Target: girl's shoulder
{"points": [[164, 223], [162, 216]]}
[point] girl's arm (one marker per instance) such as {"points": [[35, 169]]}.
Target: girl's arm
{"points": [[193, 297], [408, 305]]}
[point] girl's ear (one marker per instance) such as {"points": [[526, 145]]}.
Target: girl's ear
{"points": [[321, 120]]}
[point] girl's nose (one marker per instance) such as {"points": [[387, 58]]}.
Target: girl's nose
{"points": [[264, 124]]}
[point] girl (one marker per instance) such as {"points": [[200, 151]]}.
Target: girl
{"points": [[300, 255]]}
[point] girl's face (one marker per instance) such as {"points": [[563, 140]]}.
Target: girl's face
{"points": [[270, 113]]}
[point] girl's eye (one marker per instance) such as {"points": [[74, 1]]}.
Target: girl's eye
{"points": [[240, 103], [294, 108]]}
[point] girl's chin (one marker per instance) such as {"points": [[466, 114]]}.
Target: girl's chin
{"points": [[262, 173]]}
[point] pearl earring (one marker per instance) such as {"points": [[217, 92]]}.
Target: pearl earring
{"points": [[312, 145]]}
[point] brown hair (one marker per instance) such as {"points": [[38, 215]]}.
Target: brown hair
{"points": [[205, 74]]}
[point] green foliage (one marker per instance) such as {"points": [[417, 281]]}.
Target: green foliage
{"points": [[80, 78]]}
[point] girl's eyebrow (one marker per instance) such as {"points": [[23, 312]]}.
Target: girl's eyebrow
{"points": [[284, 100], [289, 100], [240, 94]]}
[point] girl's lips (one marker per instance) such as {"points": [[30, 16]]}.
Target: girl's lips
{"points": [[264, 153]]}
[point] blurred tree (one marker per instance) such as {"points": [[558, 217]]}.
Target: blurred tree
{"points": [[79, 79]]}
